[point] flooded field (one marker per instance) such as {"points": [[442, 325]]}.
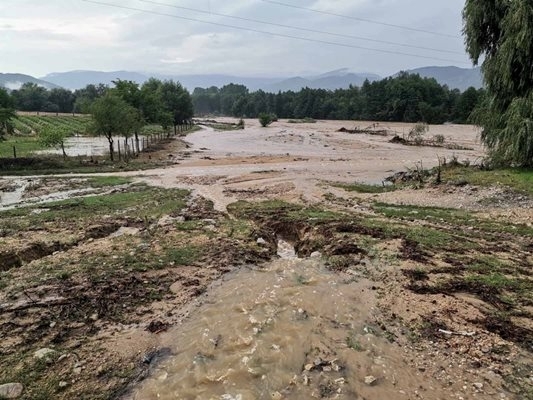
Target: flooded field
{"points": [[272, 263]]}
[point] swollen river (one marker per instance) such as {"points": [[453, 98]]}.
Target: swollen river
{"points": [[291, 330]]}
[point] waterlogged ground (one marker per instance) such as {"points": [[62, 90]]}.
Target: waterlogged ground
{"points": [[255, 267]]}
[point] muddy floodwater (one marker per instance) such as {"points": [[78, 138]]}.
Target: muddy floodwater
{"points": [[90, 146], [290, 330]]}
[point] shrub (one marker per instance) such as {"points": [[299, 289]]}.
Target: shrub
{"points": [[416, 134], [266, 119], [439, 139]]}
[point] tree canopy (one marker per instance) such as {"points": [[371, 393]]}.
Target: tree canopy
{"points": [[7, 113], [112, 116], [500, 33]]}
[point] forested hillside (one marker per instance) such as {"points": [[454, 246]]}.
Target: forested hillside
{"points": [[407, 98]]}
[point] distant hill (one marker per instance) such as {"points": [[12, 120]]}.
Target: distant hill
{"points": [[15, 81], [338, 79], [454, 77], [79, 79], [332, 80]]}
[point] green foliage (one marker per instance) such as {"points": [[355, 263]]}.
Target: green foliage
{"points": [[50, 136], [366, 188], [265, 119], [405, 98], [501, 33], [7, 114], [416, 134], [112, 116]]}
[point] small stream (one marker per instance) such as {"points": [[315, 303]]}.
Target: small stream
{"points": [[291, 330]]}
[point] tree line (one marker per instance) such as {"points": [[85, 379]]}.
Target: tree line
{"points": [[404, 98]]}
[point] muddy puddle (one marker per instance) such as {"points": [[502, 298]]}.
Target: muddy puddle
{"points": [[291, 330]]}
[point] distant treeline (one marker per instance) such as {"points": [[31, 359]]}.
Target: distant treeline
{"points": [[405, 98]]}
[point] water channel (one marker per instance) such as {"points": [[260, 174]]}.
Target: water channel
{"points": [[290, 330]]}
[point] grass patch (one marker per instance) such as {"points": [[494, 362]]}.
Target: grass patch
{"points": [[451, 216], [25, 146], [365, 188], [140, 201], [103, 181], [519, 179]]}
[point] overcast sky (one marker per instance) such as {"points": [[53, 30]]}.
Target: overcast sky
{"points": [[38, 37]]}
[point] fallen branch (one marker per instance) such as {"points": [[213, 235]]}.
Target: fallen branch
{"points": [[462, 333]]}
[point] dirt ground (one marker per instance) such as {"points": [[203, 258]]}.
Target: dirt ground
{"points": [[93, 287]]}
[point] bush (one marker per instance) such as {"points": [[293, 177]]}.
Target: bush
{"points": [[439, 139], [416, 134], [266, 119]]}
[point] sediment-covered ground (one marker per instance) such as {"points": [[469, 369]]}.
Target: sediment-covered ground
{"points": [[417, 289]]}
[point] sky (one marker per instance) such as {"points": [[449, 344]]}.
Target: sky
{"points": [[40, 37]]}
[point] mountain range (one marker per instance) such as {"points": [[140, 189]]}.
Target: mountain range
{"points": [[15, 81], [454, 77]]}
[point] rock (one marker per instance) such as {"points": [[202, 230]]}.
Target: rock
{"points": [[370, 380], [63, 384], [316, 254], [478, 385], [11, 390], [43, 353], [261, 241], [125, 231]]}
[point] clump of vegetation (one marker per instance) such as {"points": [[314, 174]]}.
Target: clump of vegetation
{"points": [[265, 119], [50, 136], [366, 188], [416, 134], [439, 139]]}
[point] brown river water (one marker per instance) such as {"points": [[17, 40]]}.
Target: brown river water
{"points": [[290, 330]]}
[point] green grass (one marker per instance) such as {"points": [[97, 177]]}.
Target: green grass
{"points": [[103, 181], [140, 201], [25, 146], [519, 179], [450, 216], [365, 188]]}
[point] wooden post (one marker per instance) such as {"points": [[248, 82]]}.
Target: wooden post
{"points": [[14, 152]]}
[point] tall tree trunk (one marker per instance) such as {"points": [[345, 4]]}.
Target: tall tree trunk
{"points": [[63, 149], [111, 148], [137, 148]]}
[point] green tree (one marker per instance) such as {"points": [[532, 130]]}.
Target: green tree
{"points": [[265, 119], [63, 99], [54, 136], [501, 34], [176, 101], [112, 116], [85, 97], [130, 92], [30, 97], [7, 114]]}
